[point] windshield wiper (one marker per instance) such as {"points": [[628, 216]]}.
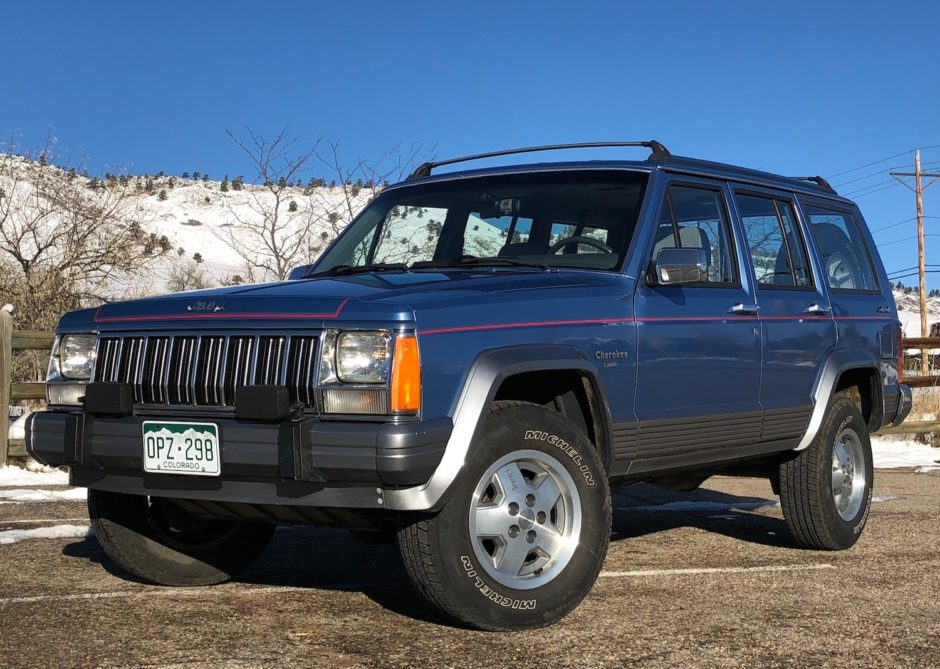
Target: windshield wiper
{"points": [[340, 270], [473, 261]]}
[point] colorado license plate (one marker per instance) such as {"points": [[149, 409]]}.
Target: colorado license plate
{"points": [[181, 448]]}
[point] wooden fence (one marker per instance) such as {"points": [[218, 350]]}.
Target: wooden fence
{"points": [[11, 340], [921, 343]]}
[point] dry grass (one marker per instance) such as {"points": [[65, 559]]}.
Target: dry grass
{"points": [[926, 404]]}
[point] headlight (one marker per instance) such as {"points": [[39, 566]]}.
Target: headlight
{"points": [[75, 357], [362, 357]]}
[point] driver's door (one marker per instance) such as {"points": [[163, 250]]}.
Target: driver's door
{"points": [[699, 344]]}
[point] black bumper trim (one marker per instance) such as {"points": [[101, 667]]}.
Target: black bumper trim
{"points": [[263, 492], [904, 403], [305, 449]]}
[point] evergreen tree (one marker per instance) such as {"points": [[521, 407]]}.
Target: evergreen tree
{"points": [[161, 195], [184, 175], [224, 185], [197, 258], [292, 206]]}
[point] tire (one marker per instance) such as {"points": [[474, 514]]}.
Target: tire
{"points": [[826, 489], [159, 542], [487, 559]]}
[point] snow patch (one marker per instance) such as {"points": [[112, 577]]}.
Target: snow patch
{"points": [[892, 454], [52, 532], [16, 476], [27, 495], [18, 427]]}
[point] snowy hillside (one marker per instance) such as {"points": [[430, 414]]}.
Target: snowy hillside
{"points": [[909, 312], [197, 217]]}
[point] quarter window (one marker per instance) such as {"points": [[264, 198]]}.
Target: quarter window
{"points": [[777, 247], [841, 249], [695, 218]]}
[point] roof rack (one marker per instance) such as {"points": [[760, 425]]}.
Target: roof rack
{"points": [[819, 181], [657, 152]]}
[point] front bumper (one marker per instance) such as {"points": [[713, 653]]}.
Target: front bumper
{"points": [[302, 462]]}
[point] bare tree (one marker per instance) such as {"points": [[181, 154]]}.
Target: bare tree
{"points": [[64, 235], [353, 186], [283, 229], [186, 274], [66, 241], [275, 236]]}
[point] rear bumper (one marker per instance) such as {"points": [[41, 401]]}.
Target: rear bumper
{"points": [[904, 403], [304, 462]]}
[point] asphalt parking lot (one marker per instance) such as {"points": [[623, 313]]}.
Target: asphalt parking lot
{"points": [[704, 579]]}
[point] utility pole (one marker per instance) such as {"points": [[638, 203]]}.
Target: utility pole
{"points": [[919, 189]]}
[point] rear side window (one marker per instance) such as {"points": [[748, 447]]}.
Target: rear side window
{"points": [[842, 252], [777, 247], [695, 218]]}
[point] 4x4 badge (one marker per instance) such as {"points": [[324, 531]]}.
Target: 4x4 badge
{"points": [[213, 307]]}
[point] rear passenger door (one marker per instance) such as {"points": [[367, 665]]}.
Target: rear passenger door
{"points": [[795, 312], [698, 345], [863, 314]]}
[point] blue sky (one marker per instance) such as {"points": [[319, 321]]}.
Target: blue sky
{"points": [[796, 87]]}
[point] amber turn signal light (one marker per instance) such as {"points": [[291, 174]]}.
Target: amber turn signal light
{"points": [[406, 375]]}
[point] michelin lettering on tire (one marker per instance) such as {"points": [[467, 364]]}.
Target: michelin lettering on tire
{"points": [[568, 449], [493, 595]]}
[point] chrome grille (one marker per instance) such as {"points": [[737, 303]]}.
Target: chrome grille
{"points": [[206, 370], [301, 367]]}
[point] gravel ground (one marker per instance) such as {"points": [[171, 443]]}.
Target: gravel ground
{"points": [[717, 584]]}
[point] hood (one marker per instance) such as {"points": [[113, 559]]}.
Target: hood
{"points": [[379, 296]]}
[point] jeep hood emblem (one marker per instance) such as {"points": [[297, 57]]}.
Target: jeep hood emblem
{"points": [[212, 307]]}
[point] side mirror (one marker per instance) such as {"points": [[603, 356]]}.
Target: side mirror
{"points": [[677, 266], [299, 272]]}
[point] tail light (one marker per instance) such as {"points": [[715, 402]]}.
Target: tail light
{"points": [[900, 354]]}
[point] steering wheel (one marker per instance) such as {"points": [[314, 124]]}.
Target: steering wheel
{"points": [[581, 239]]}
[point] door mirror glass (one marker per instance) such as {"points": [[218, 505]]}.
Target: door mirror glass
{"points": [[677, 266]]}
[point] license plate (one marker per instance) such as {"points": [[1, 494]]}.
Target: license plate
{"points": [[182, 448]]}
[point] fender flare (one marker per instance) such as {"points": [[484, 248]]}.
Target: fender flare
{"points": [[486, 374], [836, 363]]}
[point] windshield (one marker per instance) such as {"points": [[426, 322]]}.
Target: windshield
{"points": [[559, 219]]}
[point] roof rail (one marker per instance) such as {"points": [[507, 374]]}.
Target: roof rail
{"points": [[819, 181], [657, 152]]}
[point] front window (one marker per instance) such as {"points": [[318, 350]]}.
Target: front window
{"points": [[561, 219], [694, 217]]}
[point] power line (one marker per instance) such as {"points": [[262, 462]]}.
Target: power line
{"points": [[867, 176], [864, 188], [894, 225], [907, 276], [907, 239], [907, 269], [883, 160], [872, 192]]}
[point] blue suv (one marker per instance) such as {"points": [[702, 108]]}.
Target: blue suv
{"points": [[473, 364]]}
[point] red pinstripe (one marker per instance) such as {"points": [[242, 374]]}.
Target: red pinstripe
{"points": [[203, 315]]}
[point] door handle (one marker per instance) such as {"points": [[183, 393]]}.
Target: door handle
{"points": [[745, 309], [818, 310]]}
